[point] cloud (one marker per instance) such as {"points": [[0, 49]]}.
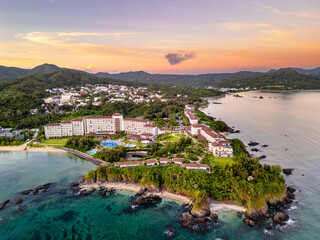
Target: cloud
{"points": [[166, 6], [175, 58], [67, 37], [240, 26], [300, 14]]}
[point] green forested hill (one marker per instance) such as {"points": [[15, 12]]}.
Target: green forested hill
{"points": [[33, 84], [286, 76], [8, 73], [20, 95]]}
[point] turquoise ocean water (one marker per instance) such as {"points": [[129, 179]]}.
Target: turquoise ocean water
{"points": [[289, 124]]}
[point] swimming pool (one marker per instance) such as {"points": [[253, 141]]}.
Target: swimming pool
{"points": [[130, 145], [92, 152], [109, 144]]}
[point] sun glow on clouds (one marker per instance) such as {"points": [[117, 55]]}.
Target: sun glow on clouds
{"points": [[163, 44]]}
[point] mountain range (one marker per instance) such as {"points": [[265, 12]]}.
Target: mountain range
{"points": [[295, 78]]}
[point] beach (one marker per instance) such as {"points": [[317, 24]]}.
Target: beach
{"points": [[23, 148], [215, 206]]}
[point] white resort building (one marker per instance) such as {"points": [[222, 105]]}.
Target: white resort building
{"points": [[99, 126], [217, 144]]}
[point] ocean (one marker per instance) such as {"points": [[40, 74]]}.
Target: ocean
{"points": [[289, 122]]}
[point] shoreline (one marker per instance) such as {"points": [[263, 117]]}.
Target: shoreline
{"points": [[214, 205], [23, 148]]}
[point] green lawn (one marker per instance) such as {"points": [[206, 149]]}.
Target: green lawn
{"points": [[58, 141], [220, 161], [171, 137]]}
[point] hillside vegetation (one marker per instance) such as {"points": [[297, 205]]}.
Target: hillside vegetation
{"points": [[226, 183]]}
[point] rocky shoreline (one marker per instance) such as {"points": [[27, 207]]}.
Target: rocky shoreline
{"points": [[201, 218], [272, 213]]}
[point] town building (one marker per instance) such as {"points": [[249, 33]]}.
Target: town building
{"points": [[193, 118], [221, 148], [217, 144], [190, 107], [164, 160], [196, 166], [177, 161], [128, 164], [151, 162]]}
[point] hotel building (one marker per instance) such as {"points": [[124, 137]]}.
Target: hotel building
{"points": [[99, 126]]}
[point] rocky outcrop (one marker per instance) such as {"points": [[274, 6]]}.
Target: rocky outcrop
{"points": [[291, 189], [203, 211], [103, 191], [74, 184], [26, 192], [285, 199], [146, 200], [255, 150], [214, 217], [280, 217], [248, 222], [170, 232], [252, 144], [262, 156], [18, 201], [42, 188], [257, 215], [85, 192], [187, 220], [3, 204], [287, 171]]}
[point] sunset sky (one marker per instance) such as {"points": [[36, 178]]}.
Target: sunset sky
{"points": [[161, 36]]}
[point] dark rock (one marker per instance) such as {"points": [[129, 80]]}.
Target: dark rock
{"points": [[170, 232], [141, 192], [255, 150], [263, 156], [290, 195], [145, 201], [103, 192], [3, 204], [234, 131], [76, 189], [35, 192], [252, 144], [187, 220], [248, 222], [264, 145], [269, 226], [44, 188], [257, 215], [26, 192], [291, 189], [280, 217], [302, 175], [74, 184], [18, 201], [85, 192], [287, 171], [214, 217]]}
